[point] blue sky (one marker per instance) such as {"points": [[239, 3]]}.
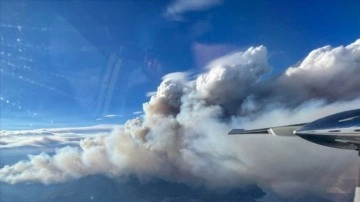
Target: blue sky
{"points": [[77, 62]]}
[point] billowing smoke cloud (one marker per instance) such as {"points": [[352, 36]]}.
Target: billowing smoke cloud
{"points": [[182, 135], [326, 73]]}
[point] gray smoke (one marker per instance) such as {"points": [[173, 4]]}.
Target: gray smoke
{"points": [[182, 134]]}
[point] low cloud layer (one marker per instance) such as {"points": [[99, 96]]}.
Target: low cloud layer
{"points": [[51, 137], [182, 134]]}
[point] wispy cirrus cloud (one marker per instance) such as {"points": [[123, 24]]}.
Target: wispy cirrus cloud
{"points": [[179, 7]]}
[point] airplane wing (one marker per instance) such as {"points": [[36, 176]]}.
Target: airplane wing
{"points": [[287, 130], [243, 131]]}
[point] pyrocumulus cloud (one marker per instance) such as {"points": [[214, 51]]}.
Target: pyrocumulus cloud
{"points": [[182, 134]]}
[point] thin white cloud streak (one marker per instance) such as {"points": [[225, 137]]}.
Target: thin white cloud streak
{"points": [[109, 116], [182, 134], [138, 112], [178, 7]]}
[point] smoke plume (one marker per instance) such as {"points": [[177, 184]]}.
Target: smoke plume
{"points": [[182, 135]]}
